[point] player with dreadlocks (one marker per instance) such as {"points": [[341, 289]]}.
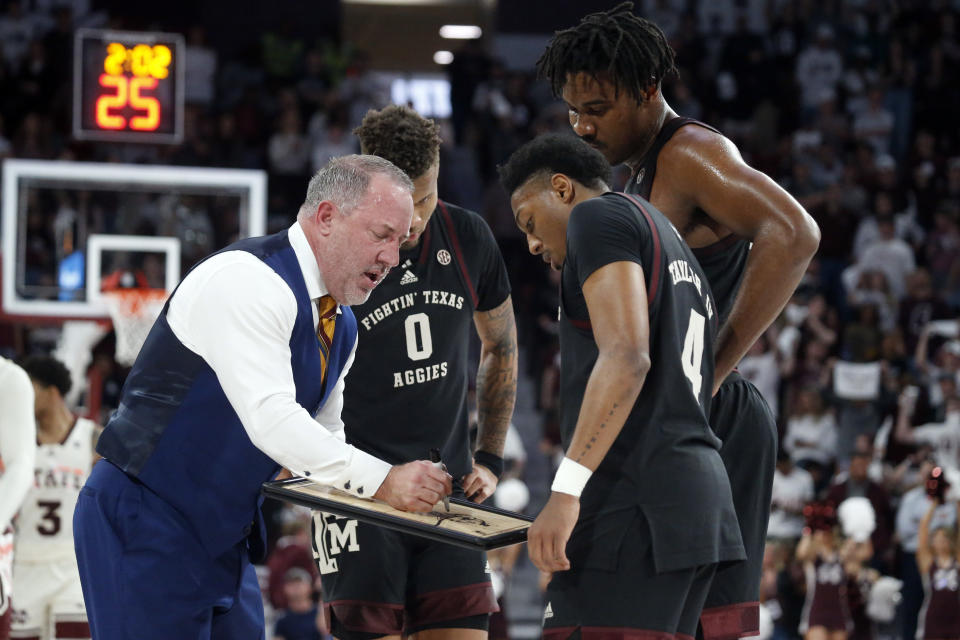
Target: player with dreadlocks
{"points": [[608, 69]]}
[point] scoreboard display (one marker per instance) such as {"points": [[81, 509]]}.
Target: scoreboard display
{"points": [[128, 86]]}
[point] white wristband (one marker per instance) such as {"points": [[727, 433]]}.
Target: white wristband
{"points": [[571, 478]]}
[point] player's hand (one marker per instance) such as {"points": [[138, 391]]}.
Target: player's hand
{"points": [[415, 486], [549, 533], [479, 484]]}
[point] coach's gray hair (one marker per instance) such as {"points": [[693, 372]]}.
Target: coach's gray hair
{"points": [[345, 180]]}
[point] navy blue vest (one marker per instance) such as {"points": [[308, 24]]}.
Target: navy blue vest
{"points": [[177, 434]]}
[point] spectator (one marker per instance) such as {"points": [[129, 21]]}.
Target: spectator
{"points": [[867, 232], [469, 69], [862, 337], [761, 366], [292, 551], [201, 68], [17, 29], [303, 619], [891, 255], [792, 490], [919, 307], [288, 150], [811, 437], [943, 252], [875, 123], [855, 483], [943, 375], [314, 84], [819, 68], [363, 89], [943, 436], [334, 141]]}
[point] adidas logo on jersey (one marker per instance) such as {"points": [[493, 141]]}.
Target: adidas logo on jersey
{"points": [[548, 612], [408, 278]]}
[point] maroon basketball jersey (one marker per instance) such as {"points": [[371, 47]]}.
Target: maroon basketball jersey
{"points": [[940, 617]]}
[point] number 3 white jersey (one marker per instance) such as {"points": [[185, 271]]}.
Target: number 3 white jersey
{"points": [[45, 523]]}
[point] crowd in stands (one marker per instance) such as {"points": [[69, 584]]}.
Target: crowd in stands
{"points": [[850, 104]]}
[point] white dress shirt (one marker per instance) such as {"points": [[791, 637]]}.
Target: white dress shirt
{"points": [[237, 313], [18, 439]]}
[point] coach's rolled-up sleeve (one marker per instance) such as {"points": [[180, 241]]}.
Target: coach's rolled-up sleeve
{"points": [[237, 314]]}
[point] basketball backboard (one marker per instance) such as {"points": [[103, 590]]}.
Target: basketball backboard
{"points": [[67, 227]]}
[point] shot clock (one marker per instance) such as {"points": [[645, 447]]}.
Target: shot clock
{"points": [[128, 86]]}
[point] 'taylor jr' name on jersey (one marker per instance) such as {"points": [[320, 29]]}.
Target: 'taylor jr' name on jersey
{"points": [[407, 300], [681, 271]]}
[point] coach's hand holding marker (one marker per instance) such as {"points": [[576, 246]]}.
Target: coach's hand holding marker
{"points": [[548, 535], [415, 486]]}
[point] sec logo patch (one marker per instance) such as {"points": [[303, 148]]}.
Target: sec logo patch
{"points": [[443, 257]]}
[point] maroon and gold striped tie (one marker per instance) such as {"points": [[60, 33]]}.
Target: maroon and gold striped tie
{"points": [[327, 307]]}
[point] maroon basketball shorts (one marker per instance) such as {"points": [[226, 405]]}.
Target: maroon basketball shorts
{"points": [[741, 418], [626, 599], [380, 582]]}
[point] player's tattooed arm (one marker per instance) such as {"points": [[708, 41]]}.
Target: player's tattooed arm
{"points": [[616, 297], [496, 375]]}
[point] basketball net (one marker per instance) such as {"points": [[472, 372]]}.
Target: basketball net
{"points": [[133, 312]]}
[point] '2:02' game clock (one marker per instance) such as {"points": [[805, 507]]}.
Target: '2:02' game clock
{"points": [[128, 86]]}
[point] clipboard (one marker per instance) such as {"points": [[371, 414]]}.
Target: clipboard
{"points": [[469, 525]]}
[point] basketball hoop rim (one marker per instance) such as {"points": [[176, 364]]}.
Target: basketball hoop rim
{"points": [[132, 302]]}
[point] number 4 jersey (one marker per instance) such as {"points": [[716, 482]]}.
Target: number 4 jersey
{"points": [[665, 461], [45, 522], [407, 389]]}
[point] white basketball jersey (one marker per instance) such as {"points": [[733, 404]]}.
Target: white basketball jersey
{"points": [[45, 522]]}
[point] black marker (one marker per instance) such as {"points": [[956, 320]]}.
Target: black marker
{"points": [[435, 459]]}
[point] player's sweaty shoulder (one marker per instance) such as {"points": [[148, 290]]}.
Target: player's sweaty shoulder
{"points": [[693, 163], [693, 150]]}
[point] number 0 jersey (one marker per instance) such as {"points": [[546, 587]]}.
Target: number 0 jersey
{"points": [[45, 523], [407, 389], [665, 460]]}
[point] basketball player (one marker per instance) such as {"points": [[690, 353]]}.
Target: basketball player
{"points": [[408, 394], [241, 374], [18, 448], [608, 70], [49, 600], [642, 487]]}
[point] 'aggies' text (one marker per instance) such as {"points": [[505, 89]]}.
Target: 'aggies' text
{"points": [[419, 375]]}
